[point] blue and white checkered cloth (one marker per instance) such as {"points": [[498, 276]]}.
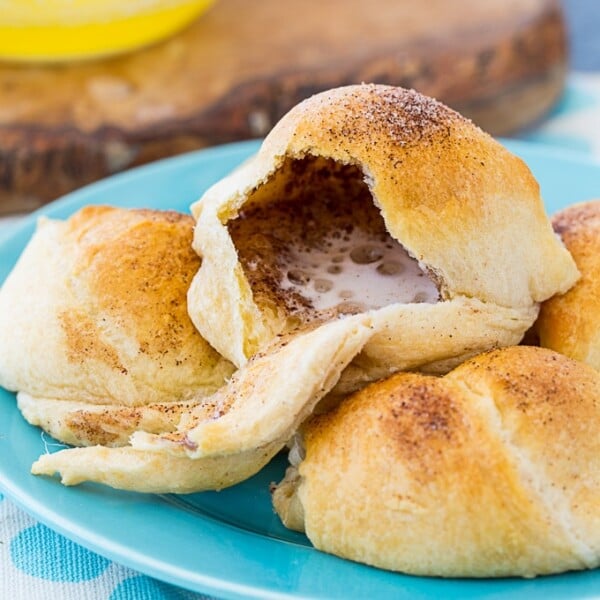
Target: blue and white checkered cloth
{"points": [[38, 564]]}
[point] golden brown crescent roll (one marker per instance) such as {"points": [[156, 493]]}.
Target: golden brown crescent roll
{"points": [[375, 198], [94, 330], [570, 324], [230, 435], [492, 470]]}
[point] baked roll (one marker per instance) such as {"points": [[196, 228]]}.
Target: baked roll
{"points": [[94, 330], [492, 470], [376, 199], [570, 324]]}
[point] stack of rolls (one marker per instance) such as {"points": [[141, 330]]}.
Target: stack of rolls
{"points": [[376, 232]]}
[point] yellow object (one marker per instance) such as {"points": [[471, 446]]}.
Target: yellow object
{"points": [[60, 30]]}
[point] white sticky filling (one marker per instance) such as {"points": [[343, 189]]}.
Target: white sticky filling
{"points": [[357, 272]]}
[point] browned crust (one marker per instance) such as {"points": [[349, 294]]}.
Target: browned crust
{"points": [[570, 324], [135, 267]]}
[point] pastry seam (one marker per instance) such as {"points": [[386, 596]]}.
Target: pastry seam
{"points": [[531, 476]]}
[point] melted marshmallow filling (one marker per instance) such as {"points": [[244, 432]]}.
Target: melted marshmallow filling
{"points": [[355, 272], [316, 244]]}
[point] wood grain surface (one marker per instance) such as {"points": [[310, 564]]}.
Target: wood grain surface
{"points": [[238, 69]]}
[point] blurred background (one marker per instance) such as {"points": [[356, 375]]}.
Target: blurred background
{"points": [[92, 87], [583, 25]]}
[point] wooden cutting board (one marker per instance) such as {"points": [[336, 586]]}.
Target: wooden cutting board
{"points": [[238, 69]]}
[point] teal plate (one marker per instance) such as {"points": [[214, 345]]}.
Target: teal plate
{"points": [[230, 543]]}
